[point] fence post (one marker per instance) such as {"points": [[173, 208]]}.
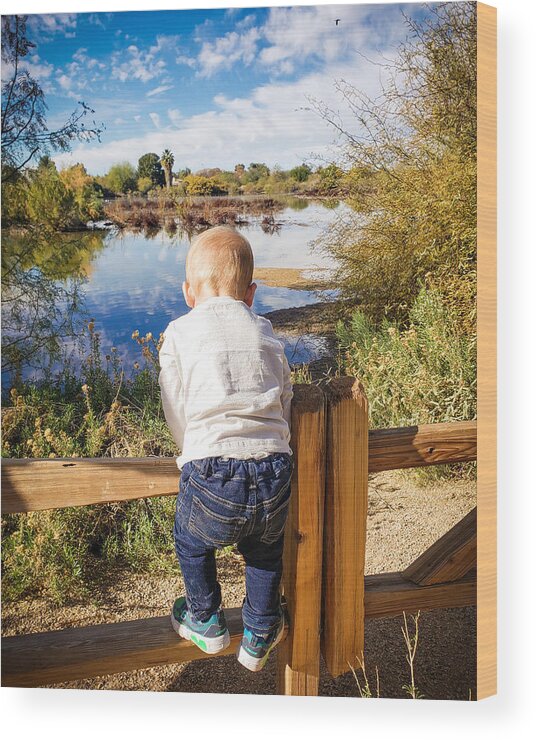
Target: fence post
{"points": [[298, 657], [345, 523]]}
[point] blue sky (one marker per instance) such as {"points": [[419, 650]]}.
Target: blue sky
{"points": [[216, 86]]}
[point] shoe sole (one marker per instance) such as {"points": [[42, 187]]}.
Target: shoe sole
{"points": [[210, 645], [257, 664]]}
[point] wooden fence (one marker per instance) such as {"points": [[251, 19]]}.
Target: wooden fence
{"points": [[327, 594]]}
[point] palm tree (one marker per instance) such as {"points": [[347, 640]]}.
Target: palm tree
{"points": [[167, 160]]}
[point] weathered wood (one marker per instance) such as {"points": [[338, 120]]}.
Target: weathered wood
{"points": [[449, 558], [82, 652], [428, 444], [298, 658], [38, 484], [486, 393], [343, 632], [390, 594], [34, 485]]}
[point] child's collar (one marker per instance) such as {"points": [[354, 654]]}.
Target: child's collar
{"points": [[218, 299]]}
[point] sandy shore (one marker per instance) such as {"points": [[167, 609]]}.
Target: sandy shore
{"points": [[404, 519], [291, 277]]}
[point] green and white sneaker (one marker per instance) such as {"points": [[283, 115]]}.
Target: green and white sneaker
{"points": [[211, 636], [254, 650]]}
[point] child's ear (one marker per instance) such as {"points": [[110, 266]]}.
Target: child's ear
{"points": [[188, 296], [250, 294]]}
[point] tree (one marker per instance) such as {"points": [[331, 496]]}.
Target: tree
{"points": [[256, 171], [301, 172], [38, 310], [411, 163], [149, 167], [25, 134], [199, 185], [144, 184], [87, 193], [121, 177], [167, 160], [209, 172], [330, 178], [48, 194]]}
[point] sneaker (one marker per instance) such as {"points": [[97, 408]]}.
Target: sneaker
{"points": [[254, 650], [211, 636]]}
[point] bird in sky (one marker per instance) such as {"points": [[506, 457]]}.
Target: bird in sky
{"points": [[337, 21]]}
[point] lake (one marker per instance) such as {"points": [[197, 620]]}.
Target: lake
{"points": [[133, 280]]}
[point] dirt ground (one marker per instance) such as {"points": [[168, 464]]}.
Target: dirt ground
{"points": [[404, 519]]}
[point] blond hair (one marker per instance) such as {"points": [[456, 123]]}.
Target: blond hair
{"points": [[221, 259]]}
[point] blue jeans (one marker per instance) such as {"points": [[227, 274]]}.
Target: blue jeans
{"points": [[223, 502]]}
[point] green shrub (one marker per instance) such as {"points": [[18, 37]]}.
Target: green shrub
{"points": [[93, 413], [422, 374]]}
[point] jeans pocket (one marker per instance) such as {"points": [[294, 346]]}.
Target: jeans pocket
{"points": [[276, 519], [183, 485], [214, 528], [283, 465]]}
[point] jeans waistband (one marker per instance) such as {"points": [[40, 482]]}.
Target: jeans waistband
{"points": [[257, 469]]}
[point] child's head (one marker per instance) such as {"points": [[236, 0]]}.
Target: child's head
{"points": [[219, 262]]}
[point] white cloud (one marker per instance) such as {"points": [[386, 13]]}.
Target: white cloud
{"points": [[96, 19], [139, 65], [175, 116], [183, 59], [164, 43], [155, 118], [294, 35], [81, 57], [297, 34], [38, 69], [159, 90], [227, 50], [45, 26], [65, 82], [271, 125]]}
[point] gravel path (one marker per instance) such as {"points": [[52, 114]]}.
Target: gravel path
{"points": [[403, 521]]}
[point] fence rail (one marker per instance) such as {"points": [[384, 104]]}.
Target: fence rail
{"points": [[38, 484], [83, 652], [327, 594]]}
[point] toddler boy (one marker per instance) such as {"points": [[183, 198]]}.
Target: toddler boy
{"points": [[226, 393]]}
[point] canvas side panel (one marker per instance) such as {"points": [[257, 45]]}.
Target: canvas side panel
{"points": [[487, 351]]}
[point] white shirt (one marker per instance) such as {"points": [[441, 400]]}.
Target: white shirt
{"points": [[225, 383]]}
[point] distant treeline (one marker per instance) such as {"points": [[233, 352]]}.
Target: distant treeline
{"points": [[257, 177], [70, 196]]}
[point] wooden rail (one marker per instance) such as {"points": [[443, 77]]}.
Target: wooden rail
{"points": [[449, 558], [37, 484], [82, 652], [418, 446], [102, 649]]}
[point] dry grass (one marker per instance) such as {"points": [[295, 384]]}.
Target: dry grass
{"points": [[190, 214]]}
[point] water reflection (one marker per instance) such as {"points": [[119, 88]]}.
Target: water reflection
{"points": [[134, 279]]}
